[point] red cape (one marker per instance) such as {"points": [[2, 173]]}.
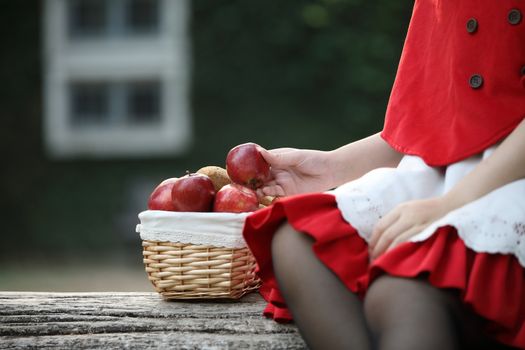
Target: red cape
{"points": [[460, 85]]}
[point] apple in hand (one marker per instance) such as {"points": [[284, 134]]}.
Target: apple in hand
{"points": [[246, 166], [160, 198], [235, 198], [193, 192]]}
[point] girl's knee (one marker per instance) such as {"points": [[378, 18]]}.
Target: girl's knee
{"points": [[377, 301], [283, 234], [410, 314], [395, 299], [286, 241], [289, 247]]}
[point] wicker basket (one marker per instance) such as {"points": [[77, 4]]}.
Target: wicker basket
{"points": [[189, 270]]}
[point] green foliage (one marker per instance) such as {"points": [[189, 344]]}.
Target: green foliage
{"points": [[312, 74], [301, 73]]}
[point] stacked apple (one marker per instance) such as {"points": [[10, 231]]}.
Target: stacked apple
{"points": [[216, 189]]}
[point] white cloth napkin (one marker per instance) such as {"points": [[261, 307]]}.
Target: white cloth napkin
{"points": [[217, 229]]}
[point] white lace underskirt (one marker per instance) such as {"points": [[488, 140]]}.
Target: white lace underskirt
{"points": [[216, 229], [494, 223]]}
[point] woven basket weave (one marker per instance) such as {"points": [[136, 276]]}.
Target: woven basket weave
{"points": [[197, 255], [186, 271]]}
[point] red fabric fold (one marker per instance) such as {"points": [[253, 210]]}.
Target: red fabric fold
{"points": [[492, 285]]}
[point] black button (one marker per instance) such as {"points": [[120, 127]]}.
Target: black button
{"points": [[472, 25], [514, 16], [522, 71], [476, 81]]}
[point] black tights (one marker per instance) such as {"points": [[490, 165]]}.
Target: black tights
{"points": [[397, 313]]}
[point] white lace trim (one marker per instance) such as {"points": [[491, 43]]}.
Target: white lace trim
{"points": [[494, 223], [217, 229]]}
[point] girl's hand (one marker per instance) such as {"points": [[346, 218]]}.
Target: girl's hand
{"points": [[404, 221], [505, 165], [296, 171]]}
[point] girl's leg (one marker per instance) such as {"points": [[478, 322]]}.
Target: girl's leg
{"points": [[327, 314], [412, 314]]}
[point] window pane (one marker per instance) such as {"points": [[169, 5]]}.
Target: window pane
{"points": [[142, 16], [87, 17], [143, 102], [89, 103]]}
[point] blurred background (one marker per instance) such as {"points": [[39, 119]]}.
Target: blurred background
{"points": [[103, 99]]}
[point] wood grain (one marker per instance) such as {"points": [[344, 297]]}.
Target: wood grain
{"points": [[137, 321]]}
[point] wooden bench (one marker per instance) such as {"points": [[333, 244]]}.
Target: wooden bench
{"points": [[137, 321]]}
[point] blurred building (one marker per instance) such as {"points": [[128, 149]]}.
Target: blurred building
{"points": [[116, 77]]}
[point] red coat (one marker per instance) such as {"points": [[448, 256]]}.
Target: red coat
{"points": [[460, 85]]}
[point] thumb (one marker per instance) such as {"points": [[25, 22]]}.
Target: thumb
{"points": [[281, 157]]}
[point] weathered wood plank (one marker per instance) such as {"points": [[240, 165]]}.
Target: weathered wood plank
{"points": [[137, 320], [161, 340]]}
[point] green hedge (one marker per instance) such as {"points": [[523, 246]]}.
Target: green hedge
{"points": [[300, 73]]}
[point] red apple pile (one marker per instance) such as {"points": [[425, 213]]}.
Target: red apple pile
{"points": [[215, 189], [160, 198], [193, 192]]}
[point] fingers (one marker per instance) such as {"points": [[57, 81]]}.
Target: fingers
{"points": [[384, 240], [392, 241], [271, 188], [268, 157], [404, 237], [274, 191], [405, 221], [387, 221], [260, 193]]}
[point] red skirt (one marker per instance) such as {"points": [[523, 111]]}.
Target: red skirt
{"points": [[492, 285]]}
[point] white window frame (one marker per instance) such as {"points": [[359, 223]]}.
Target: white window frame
{"points": [[164, 57]]}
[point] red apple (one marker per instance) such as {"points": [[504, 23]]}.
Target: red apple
{"points": [[193, 192], [170, 180], [160, 198], [246, 166], [235, 198]]}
